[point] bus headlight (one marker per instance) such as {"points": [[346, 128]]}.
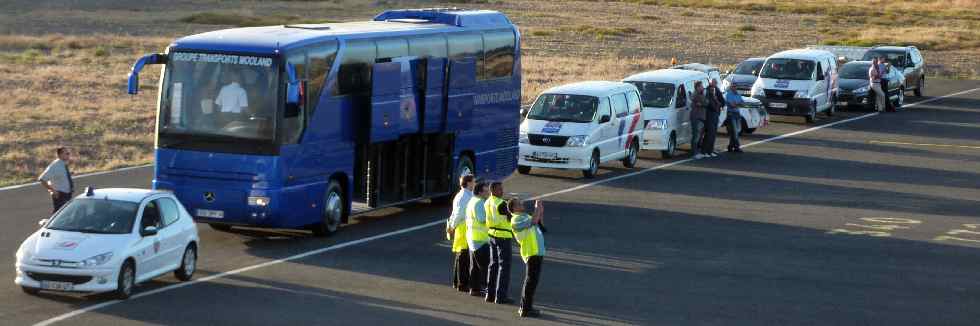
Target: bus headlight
{"points": [[258, 201], [657, 124], [577, 141]]}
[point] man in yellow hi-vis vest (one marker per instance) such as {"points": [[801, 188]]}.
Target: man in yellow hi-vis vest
{"points": [[498, 223], [456, 231], [476, 239], [529, 232]]}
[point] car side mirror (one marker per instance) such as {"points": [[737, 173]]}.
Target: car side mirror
{"points": [[42, 222], [149, 231], [605, 118]]}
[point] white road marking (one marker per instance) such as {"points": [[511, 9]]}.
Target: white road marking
{"points": [[437, 222]]}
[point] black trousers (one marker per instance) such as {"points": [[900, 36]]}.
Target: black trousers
{"points": [[479, 259], [461, 270], [498, 279], [59, 199], [710, 132], [734, 124], [531, 276]]}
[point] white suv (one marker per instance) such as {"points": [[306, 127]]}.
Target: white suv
{"points": [[581, 125]]}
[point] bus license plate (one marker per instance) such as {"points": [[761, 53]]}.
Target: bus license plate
{"points": [[57, 286], [546, 155], [208, 213], [777, 105]]}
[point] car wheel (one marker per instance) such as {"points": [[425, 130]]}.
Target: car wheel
{"points": [[630, 160], [921, 88], [671, 147], [810, 118], [220, 227], [523, 169], [126, 281], [745, 128], [333, 211], [188, 264], [593, 166], [30, 290], [900, 101]]}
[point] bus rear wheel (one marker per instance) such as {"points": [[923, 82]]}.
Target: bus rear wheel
{"points": [[334, 209], [523, 169], [463, 167]]}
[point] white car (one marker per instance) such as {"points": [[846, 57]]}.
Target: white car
{"points": [[581, 125], [109, 240]]}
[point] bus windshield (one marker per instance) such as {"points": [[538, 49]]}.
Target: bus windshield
{"points": [[564, 108], [657, 95], [781, 68], [219, 96]]}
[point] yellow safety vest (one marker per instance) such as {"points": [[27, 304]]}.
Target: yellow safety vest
{"points": [[528, 236], [476, 225], [497, 223], [459, 238]]}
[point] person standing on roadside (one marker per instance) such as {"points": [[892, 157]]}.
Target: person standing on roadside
{"points": [[456, 231], [529, 232], [498, 225], [874, 75], [698, 103], [716, 103], [56, 178], [732, 101], [477, 238]]}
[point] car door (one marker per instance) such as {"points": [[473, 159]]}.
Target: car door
{"points": [[172, 237], [607, 130], [620, 110], [149, 258], [682, 113]]}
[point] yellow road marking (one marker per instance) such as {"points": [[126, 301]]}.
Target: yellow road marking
{"points": [[915, 144]]}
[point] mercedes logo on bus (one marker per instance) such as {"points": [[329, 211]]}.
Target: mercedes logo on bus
{"points": [[209, 196]]}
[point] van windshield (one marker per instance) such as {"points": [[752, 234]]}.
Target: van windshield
{"points": [[748, 67], [657, 95], [564, 108], [782, 68]]}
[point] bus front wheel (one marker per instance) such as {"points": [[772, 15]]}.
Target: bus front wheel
{"points": [[333, 211]]}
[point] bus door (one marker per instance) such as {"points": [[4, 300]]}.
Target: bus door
{"points": [[386, 102], [462, 81]]}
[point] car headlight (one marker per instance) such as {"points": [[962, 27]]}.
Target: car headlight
{"points": [[657, 124], [801, 94], [258, 201], [522, 138], [577, 141], [862, 89], [97, 260]]}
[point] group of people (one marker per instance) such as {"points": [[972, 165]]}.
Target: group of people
{"points": [[706, 106], [481, 226]]}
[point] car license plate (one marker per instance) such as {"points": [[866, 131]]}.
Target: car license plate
{"points": [[744, 93], [208, 213], [777, 105], [546, 155], [57, 286]]}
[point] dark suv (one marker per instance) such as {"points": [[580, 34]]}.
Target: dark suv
{"points": [[908, 60]]}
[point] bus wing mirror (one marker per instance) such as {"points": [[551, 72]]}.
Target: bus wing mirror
{"points": [[133, 84]]}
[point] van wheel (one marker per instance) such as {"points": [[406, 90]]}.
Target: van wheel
{"points": [[333, 211], [593, 166], [523, 169], [126, 281], [220, 227], [188, 264], [630, 160], [671, 147], [921, 88]]}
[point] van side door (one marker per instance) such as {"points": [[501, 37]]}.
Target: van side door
{"points": [[819, 89], [682, 103], [607, 130], [620, 119]]}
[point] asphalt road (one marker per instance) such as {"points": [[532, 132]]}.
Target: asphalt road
{"points": [[784, 234]]}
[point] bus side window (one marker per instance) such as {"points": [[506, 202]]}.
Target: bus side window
{"points": [[391, 48], [431, 46], [293, 125], [354, 76], [321, 59], [499, 47], [463, 45]]}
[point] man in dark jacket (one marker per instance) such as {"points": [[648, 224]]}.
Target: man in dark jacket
{"points": [[698, 104], [716, 102]]}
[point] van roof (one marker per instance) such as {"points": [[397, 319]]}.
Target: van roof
{"points": [[697, 67], [591, 88], [802, 54], [667, 76]]}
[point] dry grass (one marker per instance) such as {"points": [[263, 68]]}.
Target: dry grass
{"points": [[543, 72]]}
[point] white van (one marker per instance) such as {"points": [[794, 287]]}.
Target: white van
{"points": [[581, 125], [666, 95], [798, 82]]}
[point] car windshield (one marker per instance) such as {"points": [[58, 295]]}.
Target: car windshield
{"points": [[564, 108], [103, 216], [855, 70], [748, 67], [896, 59], [781, 68], [657, 95], [219, 95]]}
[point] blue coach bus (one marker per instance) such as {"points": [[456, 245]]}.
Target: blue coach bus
{"points": [[301, 126]]}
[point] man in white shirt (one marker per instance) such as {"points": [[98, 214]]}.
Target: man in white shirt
{"points": [[232, 99], [456, 231], [56, 178]]}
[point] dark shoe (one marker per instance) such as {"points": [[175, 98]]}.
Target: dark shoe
{"points": [[489, 299], [504, 301], [738, 150], [530, 312], [476, 293], [464, 290]]}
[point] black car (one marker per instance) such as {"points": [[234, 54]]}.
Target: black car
{"points": [[745, 74], [855, 86], [907, 59]]}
